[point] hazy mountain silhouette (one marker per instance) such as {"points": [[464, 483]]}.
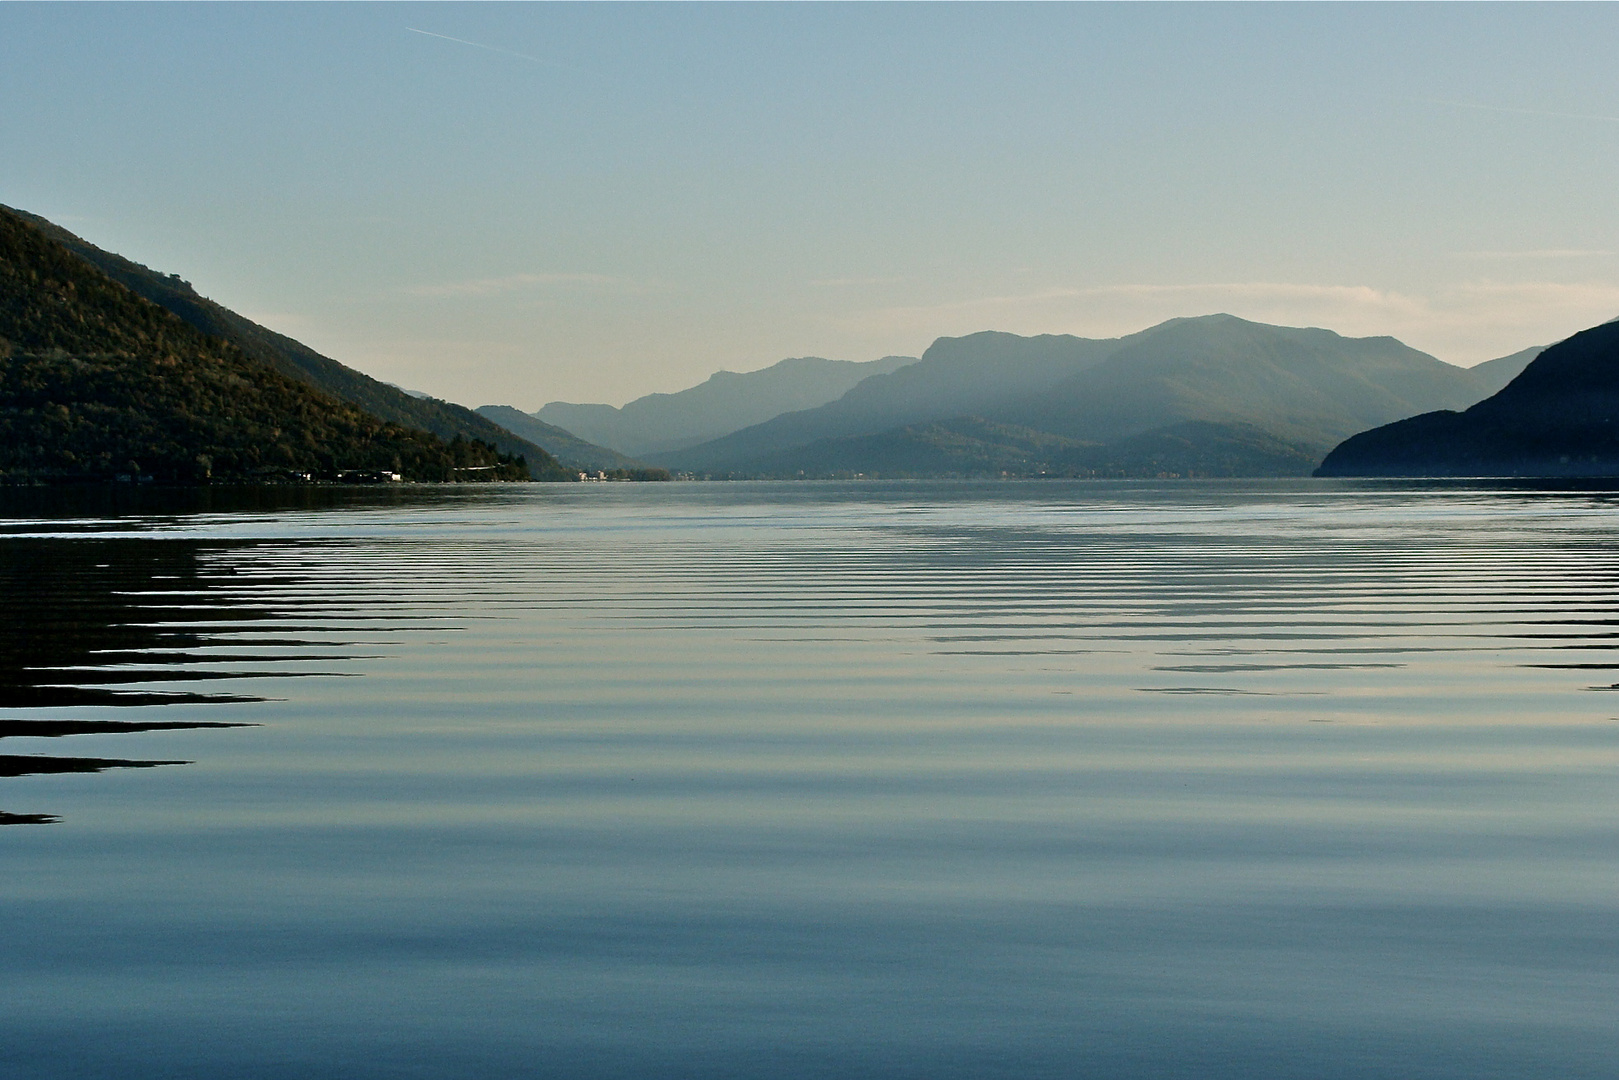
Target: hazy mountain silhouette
{"points": [[1306, 385], [977, 375], [566, 447], [97, 382], [1559, 417], [1302, 390], [726, 402], [297, 360]]}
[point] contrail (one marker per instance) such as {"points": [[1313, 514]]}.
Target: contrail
{"points": [[488, 48], [1520, 112]]}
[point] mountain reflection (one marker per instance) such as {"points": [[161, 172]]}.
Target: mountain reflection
{"points": [[97, 622]]}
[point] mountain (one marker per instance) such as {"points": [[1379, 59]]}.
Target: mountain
{"points": [[966, 376], [1306, 385], [297, 360], [1305, 389], [567, 448], [974, 447], [726, 402], [1560, 417], [96, 381]]}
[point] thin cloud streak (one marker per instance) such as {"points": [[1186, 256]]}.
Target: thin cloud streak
{"points": [[493, 49]]}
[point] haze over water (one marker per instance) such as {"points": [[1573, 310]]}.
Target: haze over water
{"points": [[804, 780]]}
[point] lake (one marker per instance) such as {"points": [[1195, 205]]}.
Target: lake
{"points": [[899, 780]]}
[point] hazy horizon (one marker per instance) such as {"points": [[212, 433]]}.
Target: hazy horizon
{"points": [[521, 204]]}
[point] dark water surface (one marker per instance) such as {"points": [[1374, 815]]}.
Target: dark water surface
{"points": [[752, 780]]}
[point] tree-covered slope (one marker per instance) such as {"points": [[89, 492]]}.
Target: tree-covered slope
{"points": [[962, 446], [96, 381], [972, 447], [297, 360]]}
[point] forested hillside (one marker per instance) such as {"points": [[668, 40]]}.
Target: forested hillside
{"points": [[96, 382], [298, 361]]}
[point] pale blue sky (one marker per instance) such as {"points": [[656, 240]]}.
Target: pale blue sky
{"points": [[593, 202]]}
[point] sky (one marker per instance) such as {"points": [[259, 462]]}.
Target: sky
{"points": [[514, 203]]}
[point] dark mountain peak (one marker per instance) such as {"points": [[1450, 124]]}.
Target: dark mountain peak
{"points": [[1559, 417], [1580, 366]]}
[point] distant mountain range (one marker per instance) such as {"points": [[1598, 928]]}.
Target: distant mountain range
{"points": [[297, 360], [1217, 395], [1559, 417], [568, 448], [956, 377], [98, 383], [726, 402]]}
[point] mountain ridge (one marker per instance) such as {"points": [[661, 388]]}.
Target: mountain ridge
{"points": [[1305, 384], [1306, 387]]}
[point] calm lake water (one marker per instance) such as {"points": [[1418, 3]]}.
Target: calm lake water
{"points": [[762, 780]]}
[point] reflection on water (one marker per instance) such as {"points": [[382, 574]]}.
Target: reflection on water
{"points": [[88, 622], [96, 623], [886, 780]]}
